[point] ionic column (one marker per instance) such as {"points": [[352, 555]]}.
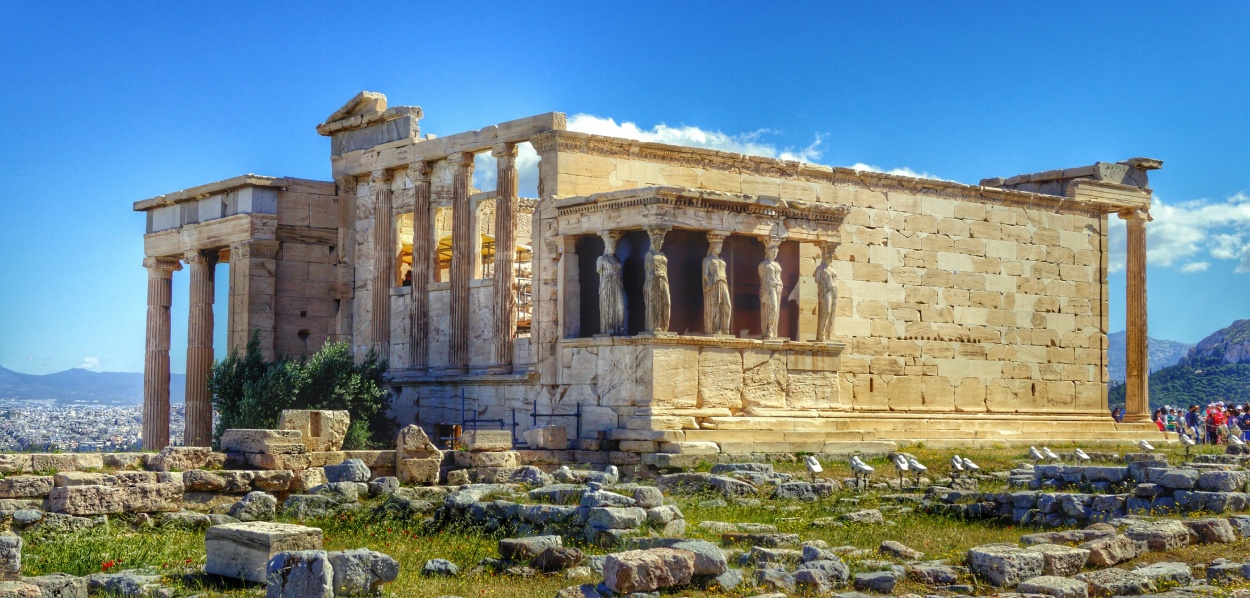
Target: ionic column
{"points": [[461, 259], [423, 254], [505, 255], [1137, 371], [156, 359], [199, 404], [384, 265]]}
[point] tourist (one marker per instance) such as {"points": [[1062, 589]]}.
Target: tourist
{"points": [[1117, 415], [1192, 422], [408, 278]]}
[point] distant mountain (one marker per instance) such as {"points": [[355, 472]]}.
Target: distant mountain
{"points": [[1216, 369], [83, 386], [1228, 346], [1162, 353]]}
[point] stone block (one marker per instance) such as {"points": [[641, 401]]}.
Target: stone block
{"points": [[1058, 587], [525, 549], [81, 478], [59, 585], [321, 430], [185, 458], [412, 443], [485, 459], [19, 589], [351, 470], [1212, 530], [647, 570], [1106, 552], [1060, 560], [486, 440], [266, 442], [10, 557], [299, 574], [26, 486], [547, 437], [242, 550], [1005, 565], [362, 572], [1163, 535], [419, 471]]}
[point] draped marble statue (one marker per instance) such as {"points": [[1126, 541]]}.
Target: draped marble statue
{"points": [[717, 308], [826, 294], [770, 290], [611, 289], [658, 299]]}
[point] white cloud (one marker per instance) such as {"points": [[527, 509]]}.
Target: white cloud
{"points": [[743, 143], [1195, 267], [901, 171], [89, 363], [1187, 234]]}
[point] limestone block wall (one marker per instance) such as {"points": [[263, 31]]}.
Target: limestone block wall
{"points": [[952, 298], [306, 270]]}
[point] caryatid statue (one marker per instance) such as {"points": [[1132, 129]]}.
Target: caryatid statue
{"points": [[717, 307], [611, 290], [826, 294], [655, 264], [770, 290]]}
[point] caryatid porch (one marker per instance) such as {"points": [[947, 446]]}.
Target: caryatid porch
{"points": [[702, 287]]}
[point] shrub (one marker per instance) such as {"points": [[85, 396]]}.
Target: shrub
{"points": [[250, 392]]}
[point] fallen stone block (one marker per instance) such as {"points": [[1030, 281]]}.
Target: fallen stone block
{"points": [[243, 550], [351, 470], [26, 486], [59, 585], [1106, 552], [1061, 560], [362, 572], [10, 557], [1212, 530], [547, 437], [419, 471], [19, 589], [1162, 535], [1115, 582], [255, 506], [1050, 585], [648, 570], [268, 442], [525, 549], [299, 574], [1167, 574], [1005, 565]]}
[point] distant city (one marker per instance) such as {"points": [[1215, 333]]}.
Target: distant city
{"points": [[51, 426]]}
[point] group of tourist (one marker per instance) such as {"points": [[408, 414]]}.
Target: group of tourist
{"points": [[1214, 425]]}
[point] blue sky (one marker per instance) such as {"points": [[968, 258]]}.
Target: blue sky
{"points": [[108, 103]]}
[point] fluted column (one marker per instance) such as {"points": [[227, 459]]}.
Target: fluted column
{"points": [[199, 404], [156, 359], [505, 255], [423, 257], [384, 266], [461, 259], [1137, 369]]}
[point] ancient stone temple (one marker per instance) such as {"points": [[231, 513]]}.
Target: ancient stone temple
{"points": [[658, 299]]}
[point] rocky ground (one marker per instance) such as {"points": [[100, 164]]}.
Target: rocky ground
{"points": [[1119, 525]]}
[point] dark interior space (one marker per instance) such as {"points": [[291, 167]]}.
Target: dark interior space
{"points": [[685, 250], [743, 256], [630, 250], [588, 248]]}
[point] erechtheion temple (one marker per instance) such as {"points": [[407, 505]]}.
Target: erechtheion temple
{"points": [[658, 299]]}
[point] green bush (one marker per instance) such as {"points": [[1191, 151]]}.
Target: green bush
{"points": [[249, 392]]}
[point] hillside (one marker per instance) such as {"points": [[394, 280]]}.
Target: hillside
{"points": [[1162, 353], [1215, 369], [83, 386]]}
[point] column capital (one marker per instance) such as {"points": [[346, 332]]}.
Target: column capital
{"points": [[827, 248], [197, 257], [381, 175], [1135, 216], [713, 236], [162, 265], [504, 150], [461, 160], [419, 172], [256, 248]]}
